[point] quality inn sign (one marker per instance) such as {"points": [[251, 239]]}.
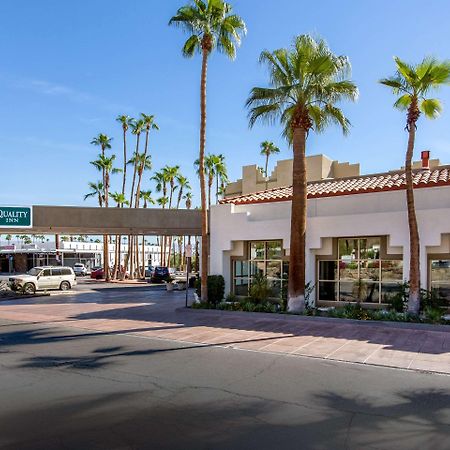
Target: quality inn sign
{"points": [[16, 217]]}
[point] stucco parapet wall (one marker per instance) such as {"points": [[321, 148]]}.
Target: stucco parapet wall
{"points": [[383, 182], [86, 220]]}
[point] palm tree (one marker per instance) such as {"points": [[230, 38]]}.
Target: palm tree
{"points": [[183, 186], [105, 165], [163, 201], [126, 121], [412, 83], [149, 124], [267, 149], [307, 81], [221, 173], [144, 163], [146, 196], [136, 128], [104, 142], [210, 25], [97, 190], [161, 186], [188, 198], [171, 174], [210, 173], [120, 200]]}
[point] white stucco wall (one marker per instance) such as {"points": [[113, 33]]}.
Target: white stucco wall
{"points": [[372, 214]]}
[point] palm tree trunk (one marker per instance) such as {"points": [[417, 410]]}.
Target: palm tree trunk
{"points": [[138, 189], [124, 180], [414, 243], [296, 287], [205, 243], [106, 271], [267, 165]]}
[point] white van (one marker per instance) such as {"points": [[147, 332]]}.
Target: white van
{"points": [[43, 278]]}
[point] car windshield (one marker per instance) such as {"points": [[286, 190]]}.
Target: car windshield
{"points": [[34, 272]]}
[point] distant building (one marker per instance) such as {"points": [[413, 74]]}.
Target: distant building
{"points": [[15, 256]]}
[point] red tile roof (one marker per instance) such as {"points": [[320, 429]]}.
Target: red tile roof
{"points": [[390, 181]]}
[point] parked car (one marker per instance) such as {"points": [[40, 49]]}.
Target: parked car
{"points": [[149, 271], [80, 269], [43, 278], [160, 274], [97, 273]]}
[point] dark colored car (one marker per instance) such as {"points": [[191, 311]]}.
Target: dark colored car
{"points": [[160, 274], [97, 273]]}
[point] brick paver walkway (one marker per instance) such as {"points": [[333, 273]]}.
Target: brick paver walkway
{"points": [[155, 315]]}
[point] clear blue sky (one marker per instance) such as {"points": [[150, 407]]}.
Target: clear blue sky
{"points": [[68, 68]]}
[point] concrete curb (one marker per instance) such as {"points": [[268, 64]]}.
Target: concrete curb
{"points": [[22, 297], [294, 317]]}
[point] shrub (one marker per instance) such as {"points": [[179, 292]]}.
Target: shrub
{"points": [[433, 314], [231, 297], [260, 289], [216, 288]]}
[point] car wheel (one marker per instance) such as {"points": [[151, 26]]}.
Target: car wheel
{"points": [[65, 286], [29, 288]]}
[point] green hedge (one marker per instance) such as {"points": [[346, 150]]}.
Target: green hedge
{"points": [[216, 288]]}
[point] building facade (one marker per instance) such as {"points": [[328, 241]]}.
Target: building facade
{"points": [[16, 256], [357, 241]]}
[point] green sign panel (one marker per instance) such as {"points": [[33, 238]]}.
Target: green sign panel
{"points": [[16, 217]]}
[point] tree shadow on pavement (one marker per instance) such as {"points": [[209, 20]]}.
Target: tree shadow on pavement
{"points": [[199, 417]]}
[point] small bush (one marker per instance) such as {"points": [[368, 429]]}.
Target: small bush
{"points": [[231, 297], [433, 314], [216, 288], [260, 289]]}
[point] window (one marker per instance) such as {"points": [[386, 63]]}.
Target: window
{"points": [[264, 258], [56, 272], [45, 273], [440, 277], [359, 274]]}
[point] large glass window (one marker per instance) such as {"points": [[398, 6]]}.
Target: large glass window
{"points": [[264, 258], [440, 277], [359, 274]]}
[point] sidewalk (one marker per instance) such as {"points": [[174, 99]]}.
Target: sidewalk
{"points": [[155, 315]]}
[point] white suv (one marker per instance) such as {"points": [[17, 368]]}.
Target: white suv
{"points": [[43, 278], [80, 269]]}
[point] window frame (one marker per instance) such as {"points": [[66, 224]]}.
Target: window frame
{"points": [[247, 259], [383, 256]]}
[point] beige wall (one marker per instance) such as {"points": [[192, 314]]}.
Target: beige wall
{"points": [[318, 167]]}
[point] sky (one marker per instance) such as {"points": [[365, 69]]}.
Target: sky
{"points": [[69, 68]]}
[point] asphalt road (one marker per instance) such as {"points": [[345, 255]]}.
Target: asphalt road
{"points": [[69, 389]]}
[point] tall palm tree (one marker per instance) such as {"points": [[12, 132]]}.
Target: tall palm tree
{"points": [[161, 186], [267, 149], [144, 163], [136, 128], [306, 82], [102, 141], [221, 175], [97, 190], [183, 186], [120, 200], [126, 121], [210, 173], [210, 25], [163, 201], [106, 166], [413, 83], [171, 174], [146, 196], [149, 124]]}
